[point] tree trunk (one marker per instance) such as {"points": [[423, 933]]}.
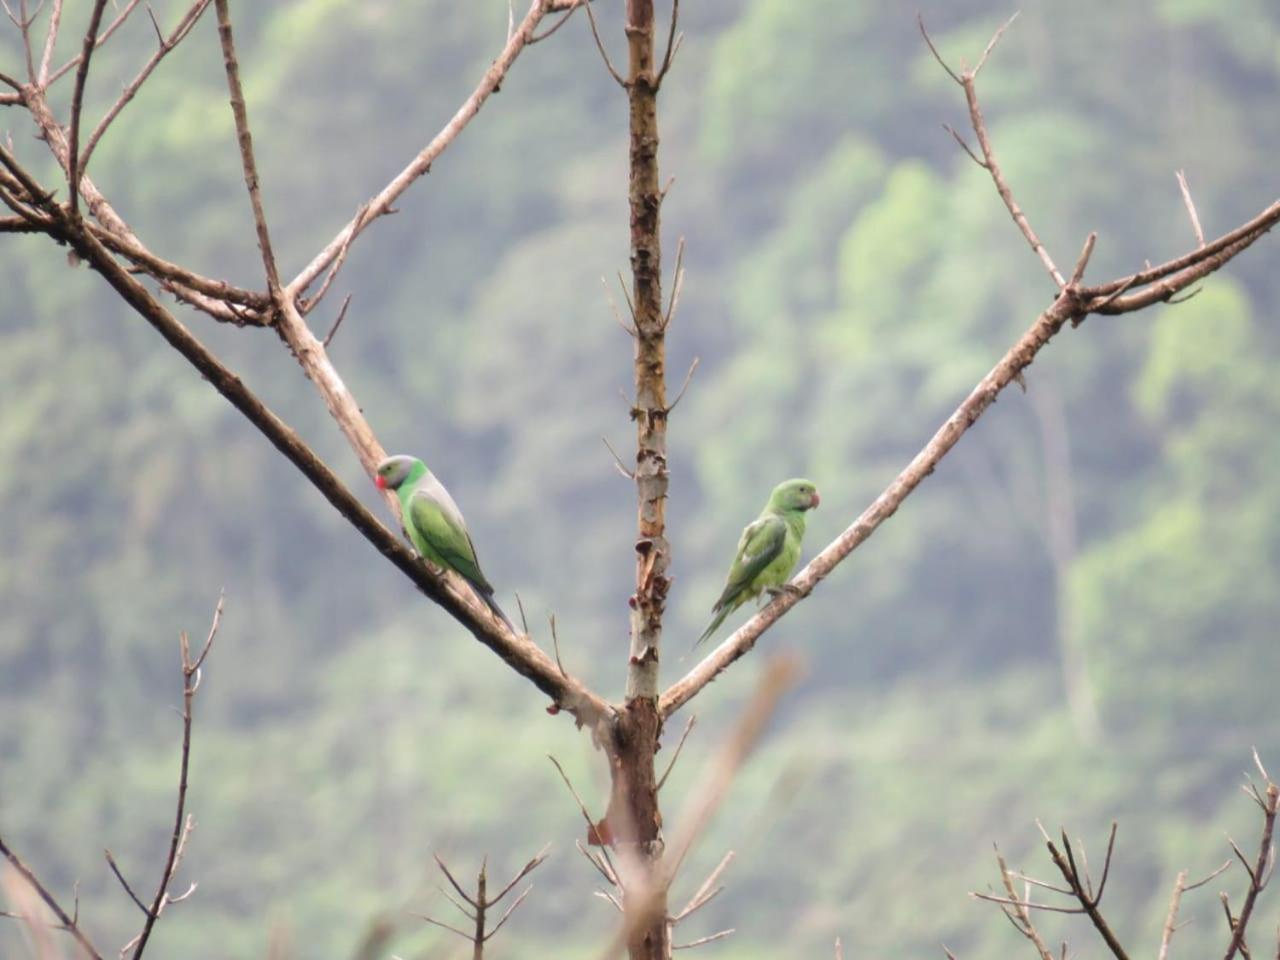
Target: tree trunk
{"points": [[636, 734]]}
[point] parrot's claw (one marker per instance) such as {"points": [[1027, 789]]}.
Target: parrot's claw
{"points": [[789, 589]]}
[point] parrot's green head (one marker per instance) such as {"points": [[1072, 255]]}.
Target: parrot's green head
{"points": [[794, 495], [394, 471]]}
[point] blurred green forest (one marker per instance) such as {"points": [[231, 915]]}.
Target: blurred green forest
{"points": [[1074, 619]]}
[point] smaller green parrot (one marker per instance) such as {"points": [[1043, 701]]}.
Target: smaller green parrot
{"points": [[768, 550], [434, 523]]}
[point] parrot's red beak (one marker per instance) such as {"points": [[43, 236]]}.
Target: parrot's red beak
{"points": [[380, 482], [816, 500]]}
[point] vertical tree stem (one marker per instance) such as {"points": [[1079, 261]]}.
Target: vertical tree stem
{"points": [[636, 739]]}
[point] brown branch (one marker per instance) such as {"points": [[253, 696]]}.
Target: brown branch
{"points": [[480, 902], [342, 315], [1258, 873], [111, 862], [1249, 230], [604, 54], [1089, 904], [77, 103], [245, 140], [968, 81], [1069, 306], [68, 922], [1180, 887], [568, 7], [381, 204], [55, 139], [1024, 925], [182, 824], [445, 588], [673, 45], [166, 45]]}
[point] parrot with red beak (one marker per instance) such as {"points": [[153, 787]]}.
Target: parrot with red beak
{"points": [[434, 523]]}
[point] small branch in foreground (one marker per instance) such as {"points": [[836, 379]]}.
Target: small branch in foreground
{"points": [[476, 905], [1180, 887], [183, 823], [68, 922]]}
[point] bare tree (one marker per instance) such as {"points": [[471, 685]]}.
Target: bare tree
{"points": [[628, 732]]}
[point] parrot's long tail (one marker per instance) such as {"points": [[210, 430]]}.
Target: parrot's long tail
{"points": [[715, 623], [493, 605]]}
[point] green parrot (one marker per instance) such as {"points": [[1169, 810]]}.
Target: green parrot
{"points": [[434, 523], [768, 550]]}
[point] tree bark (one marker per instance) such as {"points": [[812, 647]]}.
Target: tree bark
{"points": [[636, 735]]}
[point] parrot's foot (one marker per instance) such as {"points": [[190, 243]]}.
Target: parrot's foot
{"points": [[788, 589]]}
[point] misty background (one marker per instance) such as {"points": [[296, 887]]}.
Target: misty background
{"points": [[1073, 620]]}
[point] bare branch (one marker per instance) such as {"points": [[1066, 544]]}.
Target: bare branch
{"points": [[527, 869], [677, 285], [456, 885], [1069, 306], [381, 204], [166, 45], [604, 54], [111, 862], [77, 103], [1023, 904], [103, 37], [443, 587], [1024, 924], [1258, 873], [245, 139], [68, 922], [569, 8], [707, 892], [617, 461], [673, 45], [702, 940], [1191, 207], [693, 718], [342, 314], [55, 20]]}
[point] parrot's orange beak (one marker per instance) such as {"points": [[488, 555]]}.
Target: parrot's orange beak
{"points": [[380, 482], [816, 500]]}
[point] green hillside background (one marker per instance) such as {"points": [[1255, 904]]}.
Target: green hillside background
{"points": [[851, 275]]}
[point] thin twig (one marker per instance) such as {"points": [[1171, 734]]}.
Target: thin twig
{"points": [[103, 37], [1258, 873], [55, 21], [677, 284], [673, 44], [684, 386], [381, 204], [77, 103], [701, 940], [1191, 207], [166, 45], [968, 81], [617, 461], [111, 862], [693, 718], [69, 923], [568, 12], [342, 313], [707, 892], [245, 139], [604, 54], [182, 824]]}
